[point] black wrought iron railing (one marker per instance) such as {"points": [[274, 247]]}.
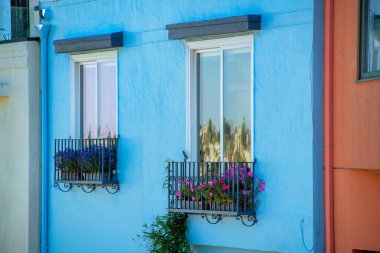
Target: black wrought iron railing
{"points": [[213, 190], [86, 163]]}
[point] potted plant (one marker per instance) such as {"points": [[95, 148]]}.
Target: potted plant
{"points": [[234, 187], [90, 163], [98, 162], [67, 162]]}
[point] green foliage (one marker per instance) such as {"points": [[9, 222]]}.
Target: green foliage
{"points": [[167, 234]]}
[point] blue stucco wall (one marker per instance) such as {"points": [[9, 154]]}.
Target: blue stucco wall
{"points": [[152, 123]]}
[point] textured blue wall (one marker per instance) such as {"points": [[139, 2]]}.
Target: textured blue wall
{"points": [[152, 124]]}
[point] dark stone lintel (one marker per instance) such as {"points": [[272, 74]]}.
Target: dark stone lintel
{"points": [[87, 43], [219, 26]]}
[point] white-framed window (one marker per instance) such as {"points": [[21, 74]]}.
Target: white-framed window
{"points": [[94, 95], [220, 95]]}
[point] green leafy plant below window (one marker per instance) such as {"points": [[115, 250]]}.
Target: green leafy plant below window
{"points": [[167, 234]]}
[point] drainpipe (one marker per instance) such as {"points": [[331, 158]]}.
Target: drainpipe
{"points": [[44, 30], [328, 125]]}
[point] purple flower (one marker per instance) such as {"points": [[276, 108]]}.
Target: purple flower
{"points": [[250, 174], [192, 198], [244, 192], [211, 194], [179, 181], [262, 189], [179, 194]]}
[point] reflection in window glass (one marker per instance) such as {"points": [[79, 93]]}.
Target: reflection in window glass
{"points": [[237, 101], [107, 97], [98, 99], [224, 105], [209, 106], [89, 102], [373, 36]]}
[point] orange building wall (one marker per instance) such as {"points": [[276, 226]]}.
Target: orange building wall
{"points": [[356, 106], [357, 210], [356, 141]]}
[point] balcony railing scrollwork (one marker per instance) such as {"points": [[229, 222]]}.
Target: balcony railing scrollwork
{"points": [[214, 190], [86, 163]]}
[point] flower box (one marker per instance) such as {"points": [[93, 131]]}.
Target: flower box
{"points": [[86, 160], [224, 188]]}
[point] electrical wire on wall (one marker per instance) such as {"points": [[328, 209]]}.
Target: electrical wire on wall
{"points": [[315, 164]]}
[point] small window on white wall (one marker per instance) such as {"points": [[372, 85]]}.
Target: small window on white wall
{"points": [[95, 95], [220, 100]]}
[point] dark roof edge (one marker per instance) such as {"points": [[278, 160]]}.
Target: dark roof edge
{"points": [[20, 40]]}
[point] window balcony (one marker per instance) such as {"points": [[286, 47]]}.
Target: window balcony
{"points": [[86, 163], [214, 190]]}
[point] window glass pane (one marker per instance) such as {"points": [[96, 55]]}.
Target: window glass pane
{"points": [[373, 36], [237, 105], [107, 97], [89, 101], [209, 105]]}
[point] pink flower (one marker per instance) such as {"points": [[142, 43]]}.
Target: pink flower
{"points": [[191, 189], [192, 198], [262, 184], [225, 187], [262, 189], [250, 174], [179, 194], [244, 192], [211, 194], [179, 181], [211, 183]]}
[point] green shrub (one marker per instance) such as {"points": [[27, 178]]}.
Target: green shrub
{"points": [[167, 234]]}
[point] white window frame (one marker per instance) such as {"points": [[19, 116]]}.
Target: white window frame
{"points": [[76, 61], [192, 48]]}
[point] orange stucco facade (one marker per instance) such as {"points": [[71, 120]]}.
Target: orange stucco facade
{"points": [[356, 140]]}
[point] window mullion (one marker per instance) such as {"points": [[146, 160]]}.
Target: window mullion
{"points": [[221, 106], [80, 100], [97, 100]]}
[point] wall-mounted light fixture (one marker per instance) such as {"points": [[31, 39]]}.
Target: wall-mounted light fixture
{"points": [[41, 12], [4, 89]]}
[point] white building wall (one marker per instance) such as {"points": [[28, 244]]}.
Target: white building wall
{"points": [[20, 148]]}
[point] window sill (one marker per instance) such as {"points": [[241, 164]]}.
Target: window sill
{"points": [[367, 79]]}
